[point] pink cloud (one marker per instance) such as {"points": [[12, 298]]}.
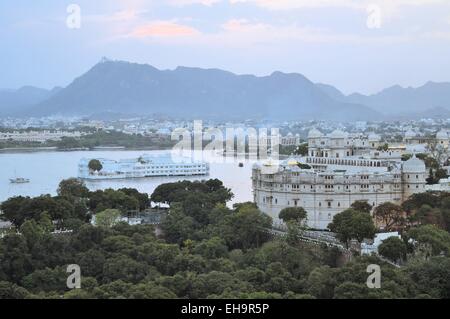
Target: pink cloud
{"points": [[163, 29]]}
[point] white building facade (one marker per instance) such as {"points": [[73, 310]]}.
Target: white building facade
{"points": [[325, 186], [144, 166]]}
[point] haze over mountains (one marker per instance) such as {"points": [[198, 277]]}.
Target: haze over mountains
{"points": [[130, 88]]}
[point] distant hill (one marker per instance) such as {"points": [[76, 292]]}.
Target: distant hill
{"points": [[397, 100], [117, 87], [15, 101], [123, 87]]}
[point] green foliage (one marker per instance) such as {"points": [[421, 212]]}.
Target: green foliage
{"points": [[18, 209], [107, 218], [109, 198], [297, 214], [406, 157], [435, 175], [12, 291], [303, 166], [393, 248], [432, 235], [361, 206], [95, 165], [352, 224], [383, 147], [178, 192], [431, 277], [389, 215], [206, 250], [72, 187], [302, 149]]}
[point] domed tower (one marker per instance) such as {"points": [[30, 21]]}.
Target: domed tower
{"points": [[374, 140], [314, 142], [409, 136], [413, 177], [338, 147], [442, 138]]}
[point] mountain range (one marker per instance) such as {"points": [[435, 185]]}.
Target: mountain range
{"points": [[130, 88]]}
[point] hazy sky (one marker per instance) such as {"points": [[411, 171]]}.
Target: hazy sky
{"points": [[355, 45]]}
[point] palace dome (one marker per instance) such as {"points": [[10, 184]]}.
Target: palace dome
{"points": [[315, 133], [374, 137], [414, 165], [410, 134], [442, 135], [338, 134]]}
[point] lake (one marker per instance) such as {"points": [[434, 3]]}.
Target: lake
{"points": [[46, 169]]}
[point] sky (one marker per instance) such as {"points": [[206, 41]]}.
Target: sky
{"points": [[356, 45]]}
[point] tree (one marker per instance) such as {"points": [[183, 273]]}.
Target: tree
{"points": [[429, 234], [246, 228], [121, 267], [302, 149], [361, 206], [436, 151], [95, 165], [72, 187], [142, 198], [431, 277], [12, 210], [389, 215], [16, 259], [383, 147], [212, 248], [393, 248], [107, 218], [428, 215], [9, 290], [297, 214], [32, 232], [351, 224], [321, 282], [406, 157]]}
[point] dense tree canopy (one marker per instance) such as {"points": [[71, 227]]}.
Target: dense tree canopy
{"points": [[297, 214], [352, 224], [95, 165], [393, 248], [204, 249]]}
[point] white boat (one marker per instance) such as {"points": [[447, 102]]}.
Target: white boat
{"points": [[19, 180], [143, 166]]}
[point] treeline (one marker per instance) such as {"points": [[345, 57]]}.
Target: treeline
{"points": [[203, 249], [99, 138], [114, 139]]}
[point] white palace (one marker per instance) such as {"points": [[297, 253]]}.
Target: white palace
{"points": [[339, 170]]}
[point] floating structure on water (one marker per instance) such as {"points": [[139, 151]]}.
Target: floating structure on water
{"points": [[19, 180], [143, 166]]}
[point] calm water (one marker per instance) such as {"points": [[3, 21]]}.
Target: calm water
{"points": [[46, 169]]}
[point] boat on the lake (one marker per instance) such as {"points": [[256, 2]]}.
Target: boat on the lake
{"points": [[19, 180], [143, 166]]}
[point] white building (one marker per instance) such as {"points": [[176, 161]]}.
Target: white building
{"points": [[369, 249], [37, 136], [325, 186], [144, 166], [339, 144]]}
